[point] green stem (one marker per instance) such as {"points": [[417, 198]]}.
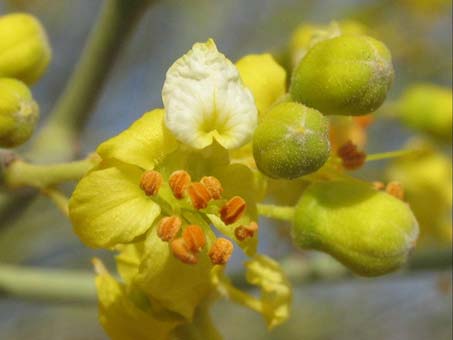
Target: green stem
{"points": [[276, 212], [23, 174], [58, 138], [390, 154], [46, 284]]}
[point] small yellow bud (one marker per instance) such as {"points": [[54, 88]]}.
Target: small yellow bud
{"points": [[24, 47], [18, 113]]}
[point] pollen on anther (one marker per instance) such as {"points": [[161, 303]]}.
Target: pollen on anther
{"points": [[194, 237], [168, 228], [351, 157], [179, 181], [199, 195], [246, 231], [221, 251], [150, 182], [213, 185], [395, 189], [232, 210], [182, 252]]}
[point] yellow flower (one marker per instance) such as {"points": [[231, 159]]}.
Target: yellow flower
{"points": [[205, 100], [108, 206]]}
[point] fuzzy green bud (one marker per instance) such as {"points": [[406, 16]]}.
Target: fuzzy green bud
{"points": [[427, 108], [291, 141], [369, 231], [24, 48], [18, 113], [347, 75]]}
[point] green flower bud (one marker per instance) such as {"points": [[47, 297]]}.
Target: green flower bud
{"points": [[347, 75], [24, 48], [291, 141], [427, 108], [18, 113], [369, 231]]}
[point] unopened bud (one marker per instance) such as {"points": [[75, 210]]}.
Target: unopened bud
{"points": [[179, 181], [232, 210], [150, 182], [194, 237], [221, 251], [19, 113], [25, 50], [213, 185], [168, 228], [199, 195]]}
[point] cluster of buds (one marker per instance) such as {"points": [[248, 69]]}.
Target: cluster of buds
{"points": [[188, 243], [351, 157]]}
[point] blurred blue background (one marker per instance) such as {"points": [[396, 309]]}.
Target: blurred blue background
{"points": [[396, 307]]}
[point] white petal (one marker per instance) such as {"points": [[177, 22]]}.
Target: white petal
{"points": [[204, 99]]}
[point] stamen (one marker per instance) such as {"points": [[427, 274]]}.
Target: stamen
{"points": [[378, 185], [182, 252], [194, 237], [179, 181], [213, 185], [395, 189], [232, 210], [242, 232], [221, 251], [199, 195], [168, 228], [351, 157], [150, 182]]}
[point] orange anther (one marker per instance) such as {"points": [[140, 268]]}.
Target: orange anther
{"points": [[181, 251], [199, 195], [378, 185], [179, 181], [395, 189], [213, 185], [150, 182], [221, 251], [232, 210], [352, 158], [194, 237], [168, 228], [242, 232]]}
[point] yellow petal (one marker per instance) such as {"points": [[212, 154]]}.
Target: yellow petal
{"points": [[275, 298], [264, 77], [266, 273], [205, 100], [123, 319], [108, 207], [145, 143], [177, 286]]}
